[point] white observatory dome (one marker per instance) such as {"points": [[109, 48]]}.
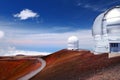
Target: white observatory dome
{"points": [[106, 30], [72, 39], [107, 23], [73, 43], [113, 15], [112, 20]]}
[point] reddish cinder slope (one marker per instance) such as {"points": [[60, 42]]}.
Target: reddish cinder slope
{"points": [[74, 65], [109, 73], [13, 69]]}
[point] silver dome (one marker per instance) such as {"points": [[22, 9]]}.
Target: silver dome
{"points": [[106, 29], [108, 23]]}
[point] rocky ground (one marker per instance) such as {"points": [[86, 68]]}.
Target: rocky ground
{"points": [[79, 65]]}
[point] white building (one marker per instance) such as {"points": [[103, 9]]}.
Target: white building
{"points": [[73, 43], [106, 31]]}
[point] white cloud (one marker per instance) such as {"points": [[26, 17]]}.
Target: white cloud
{"points": [[99, 6], [1, 34], [60, 28], [93, 7], [26, 14]]}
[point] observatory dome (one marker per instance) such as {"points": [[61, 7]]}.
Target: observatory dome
{"points": [[112, 20], [107, 22], [113, 15], [106, 30], [72, 39], [73, 43], [97, 25]]}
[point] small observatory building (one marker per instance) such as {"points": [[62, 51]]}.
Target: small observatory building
{"points": [[73, 43], [106, 31]]}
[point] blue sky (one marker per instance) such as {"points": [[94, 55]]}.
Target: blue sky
{"points": [[49, 22]]}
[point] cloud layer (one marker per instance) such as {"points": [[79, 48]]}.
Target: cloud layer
{"points": [[1, 34], [49, 40], [53, 39], [26, 14], [27, 53], [23, 39], [12, 51]]}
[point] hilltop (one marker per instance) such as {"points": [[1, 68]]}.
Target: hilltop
{"points": [[78, 65], [62, 65]]}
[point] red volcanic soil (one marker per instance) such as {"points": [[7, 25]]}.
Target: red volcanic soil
{"points": [[78, 65], [13, 69]]}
